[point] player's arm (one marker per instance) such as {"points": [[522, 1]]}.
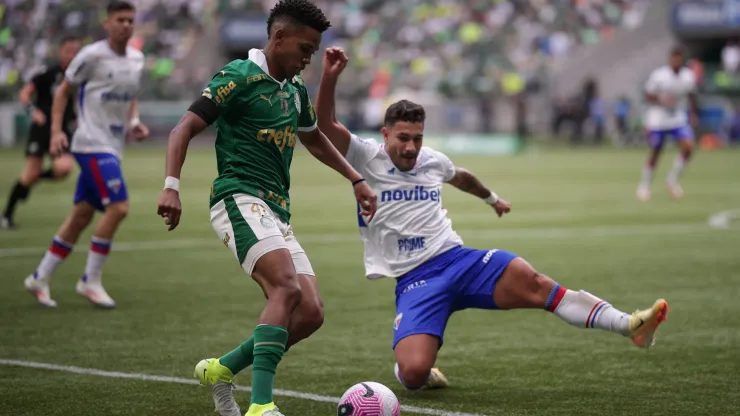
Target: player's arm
{"points": [[334, 63], [59, 140], [25, 97], [651, 93], [466, 181], [202, 113], [322, 149], [138, 130]]}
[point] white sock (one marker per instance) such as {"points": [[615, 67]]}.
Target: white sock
{"points": [[99, 250], [58, 251], [584, 310], [679, 163], [647, 176]]}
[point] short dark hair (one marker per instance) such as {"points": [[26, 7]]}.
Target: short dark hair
{"points": [[119, 6], [301, 12], [677, 50], [70, 38], [404, 110]]}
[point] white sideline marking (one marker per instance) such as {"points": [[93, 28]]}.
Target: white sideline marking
{"points": [[495, 234], [722, 220], [163, 379]]}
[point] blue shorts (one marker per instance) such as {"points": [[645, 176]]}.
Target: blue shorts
{"points": [[101, 180], [457, 279], [657, 138]]}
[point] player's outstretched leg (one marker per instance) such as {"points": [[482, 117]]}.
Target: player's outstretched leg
{"points": [[679, 164], [655, 140], [91, 284], [62, 244], [521, 286], [32, 172]]}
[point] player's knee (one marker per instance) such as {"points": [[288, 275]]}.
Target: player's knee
{"points": [[287, 290], [312, 317], [414, 372], [118, 210]]}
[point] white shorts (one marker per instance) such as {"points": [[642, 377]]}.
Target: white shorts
{"points": [[250, 229]]}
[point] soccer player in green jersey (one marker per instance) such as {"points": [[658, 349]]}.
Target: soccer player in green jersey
{"points": [[261, 108]]}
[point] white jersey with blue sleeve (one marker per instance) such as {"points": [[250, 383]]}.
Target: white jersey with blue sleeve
{"points": [[665, 80], [410, 225], [107, 84]]}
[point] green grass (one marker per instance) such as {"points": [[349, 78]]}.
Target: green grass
{"points": [[575, 218]]}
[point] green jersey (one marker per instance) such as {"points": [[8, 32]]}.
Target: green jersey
{"points": [[257, 131]]}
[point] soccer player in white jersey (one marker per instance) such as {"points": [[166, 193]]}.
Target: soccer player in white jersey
{"points": [[106, 74], [411, 240], [671, 112]]}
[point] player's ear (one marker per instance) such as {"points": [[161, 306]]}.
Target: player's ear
{"points": [[384, 130]]}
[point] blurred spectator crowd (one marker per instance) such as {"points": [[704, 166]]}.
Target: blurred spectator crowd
{"points": [[447, 48]]}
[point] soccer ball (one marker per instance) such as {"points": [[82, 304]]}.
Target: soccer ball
{"points": [[368, 399]]}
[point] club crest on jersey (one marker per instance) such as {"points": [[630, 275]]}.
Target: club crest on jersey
{"points": [[284, 106], [114, 185], [397, 321]]}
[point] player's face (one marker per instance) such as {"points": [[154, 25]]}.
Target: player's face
{"points": [[295, 46], [67, 52], [120, 25], [403, 142], [676, 61]]}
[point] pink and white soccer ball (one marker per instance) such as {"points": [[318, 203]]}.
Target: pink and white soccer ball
{"points": [[368, 399]]}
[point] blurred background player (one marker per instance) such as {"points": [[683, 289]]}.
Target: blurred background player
{"points": [[43, 86], [261, 106], [672, 112], [107, 74], [412, 240]]}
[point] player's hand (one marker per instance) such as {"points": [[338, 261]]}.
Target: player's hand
{"points": [[501, 207], [335, 60], [139, 132], [169, 208], [59, 142], [367, 200], [668, 100], [38, 117]]}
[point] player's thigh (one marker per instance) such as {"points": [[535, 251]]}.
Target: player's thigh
{"points": [[422, 307], [521, 286], [684, 137], [249, 229], [39, 139], [656, 140]]}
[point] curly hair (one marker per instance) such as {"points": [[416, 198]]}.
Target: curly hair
{"points": [[301, 12]]}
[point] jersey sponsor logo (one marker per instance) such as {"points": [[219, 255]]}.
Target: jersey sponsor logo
{"points": [[116, 96], [267, 98], [255, 78], [311, 111], [273, 197], [224, 92], [397, 321], [116, 130], [281, 138], [418, 193], [415, 285], [412, 244]]}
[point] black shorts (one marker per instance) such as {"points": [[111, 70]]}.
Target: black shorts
{"points": [[39, 140]]}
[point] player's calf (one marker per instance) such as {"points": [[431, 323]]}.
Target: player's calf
{"points": [[415, 358], [308, 317]]}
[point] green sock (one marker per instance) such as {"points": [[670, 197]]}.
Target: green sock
{"points": [[269, 346], [240, 358]]}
